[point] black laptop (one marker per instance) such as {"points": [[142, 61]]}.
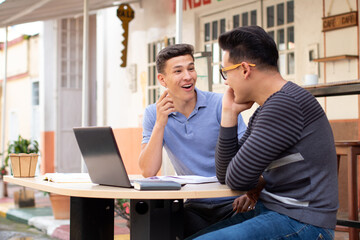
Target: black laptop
{"points": [[102, 156]]}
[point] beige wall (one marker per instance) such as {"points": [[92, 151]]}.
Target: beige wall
{"points": [[34, 56], [22, 57], [19, 103], [22, 69], [17, 58], [307, 35], [340, 42]]}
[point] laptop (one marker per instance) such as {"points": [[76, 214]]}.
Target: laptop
{"points": [[102, 156]]}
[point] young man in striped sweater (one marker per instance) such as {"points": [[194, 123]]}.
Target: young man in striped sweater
{"points": [[288, 148]]}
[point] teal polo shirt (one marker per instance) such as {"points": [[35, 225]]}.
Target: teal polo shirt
{"points": [[190, 142]]}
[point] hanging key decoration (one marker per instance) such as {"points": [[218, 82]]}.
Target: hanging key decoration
{"points": [[125, 13]]}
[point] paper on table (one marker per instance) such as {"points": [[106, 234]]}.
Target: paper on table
{"points": [[187, 179], [67, 177]]}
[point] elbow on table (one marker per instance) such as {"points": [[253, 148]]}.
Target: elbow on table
{"points": [[239, 187], [148, 173], [221, 179]]}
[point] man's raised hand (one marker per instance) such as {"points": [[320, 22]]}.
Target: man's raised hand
{"points": [[164, 106]]}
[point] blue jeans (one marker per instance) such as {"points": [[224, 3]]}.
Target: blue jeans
{"points": [[200, 215], [262, 223]]}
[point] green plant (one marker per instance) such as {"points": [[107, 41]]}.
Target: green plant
{"points": [[122, 208], [21, 146]]}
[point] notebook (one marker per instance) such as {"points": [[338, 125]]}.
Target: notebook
{"points": [[102, 156], [151, 184]]}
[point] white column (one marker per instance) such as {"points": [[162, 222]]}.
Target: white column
{"points": [[101, 63], [179, 11], [3, 115], [85, 77]]}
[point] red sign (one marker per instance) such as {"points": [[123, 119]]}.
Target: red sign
{"points": [[190, 4]]}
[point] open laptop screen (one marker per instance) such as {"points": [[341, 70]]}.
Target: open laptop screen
{"points": [[102, 156]]}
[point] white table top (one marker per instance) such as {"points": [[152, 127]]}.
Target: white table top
{"points": [[205, 190]]}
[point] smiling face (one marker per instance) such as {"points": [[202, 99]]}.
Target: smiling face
{"points": [[179, 78]]}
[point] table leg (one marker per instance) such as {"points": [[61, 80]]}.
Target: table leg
{"points": [[156, 219], [91, 218]]}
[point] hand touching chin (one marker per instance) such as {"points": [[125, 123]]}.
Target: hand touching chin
{"points": [[242, 106]]}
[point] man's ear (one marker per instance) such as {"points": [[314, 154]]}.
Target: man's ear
{"points": [[246, 69], [161, 79]]}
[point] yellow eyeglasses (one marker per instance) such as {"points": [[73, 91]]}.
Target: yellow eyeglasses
{"points": [[232, 67]]}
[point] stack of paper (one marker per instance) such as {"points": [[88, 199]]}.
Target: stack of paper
{"points": [[67, 177]]}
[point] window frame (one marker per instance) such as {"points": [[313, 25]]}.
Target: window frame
{"points": [[153, 90], [71, 41], [286, 48]]}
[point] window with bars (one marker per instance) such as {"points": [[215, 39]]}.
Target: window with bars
{"points": [[71, 52], [247, 18], [280, 26], [153, 86], [212, 31]]}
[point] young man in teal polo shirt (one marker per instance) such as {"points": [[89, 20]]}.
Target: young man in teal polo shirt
{"points": [[186, 121]]}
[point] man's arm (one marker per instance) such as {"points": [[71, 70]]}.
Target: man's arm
{"points": [[151, 153], [229, 122], [270, 136]]}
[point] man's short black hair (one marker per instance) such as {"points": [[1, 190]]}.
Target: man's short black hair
{"points": [[251, 44], [171, 52]]}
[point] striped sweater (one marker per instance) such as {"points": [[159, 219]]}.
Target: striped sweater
{"points": [[290, 142]]}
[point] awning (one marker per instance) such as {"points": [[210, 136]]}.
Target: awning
{"points": [[14, 12]]}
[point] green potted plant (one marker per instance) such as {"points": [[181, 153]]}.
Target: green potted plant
{"points": [[21, 146], [27, 149]]}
